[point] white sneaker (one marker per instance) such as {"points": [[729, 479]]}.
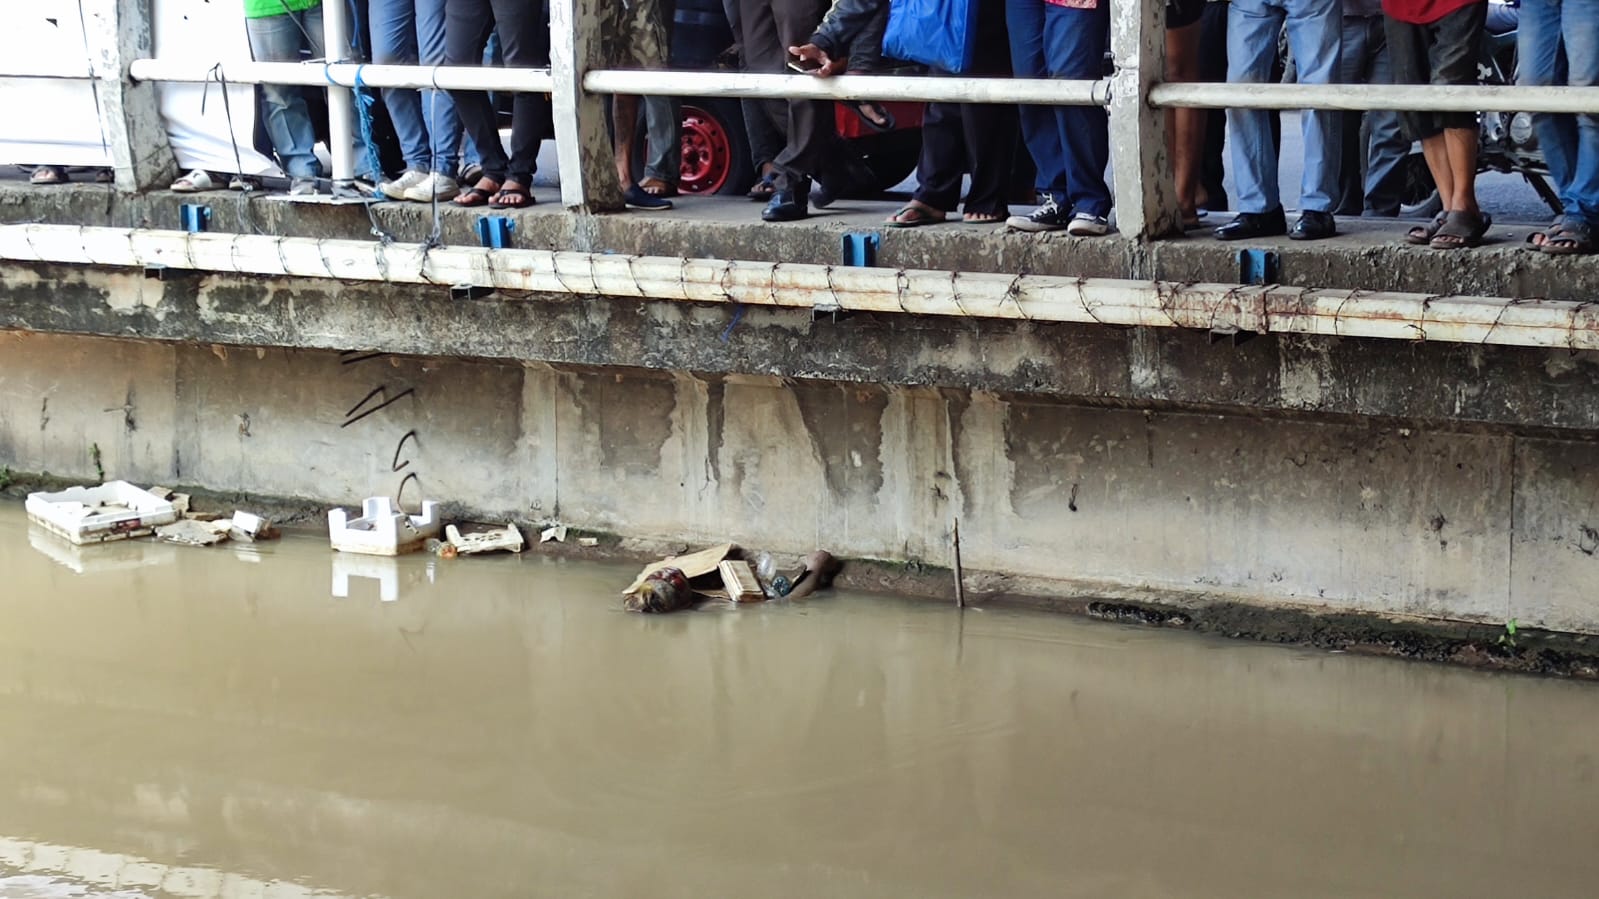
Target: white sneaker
{"points": [[194, 182], [395, 190], [437, 186], [302, 186], [1086, 224]]}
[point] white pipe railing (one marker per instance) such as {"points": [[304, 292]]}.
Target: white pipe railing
{"points": [[914, 89], [1360, 97], [1045, 298], [344, 74], [341, 101]]}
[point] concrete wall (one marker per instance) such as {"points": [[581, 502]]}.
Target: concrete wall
{"points": [[1346, 514]]}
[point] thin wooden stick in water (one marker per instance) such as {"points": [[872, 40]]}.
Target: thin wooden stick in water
{"points": [[960, 585]]}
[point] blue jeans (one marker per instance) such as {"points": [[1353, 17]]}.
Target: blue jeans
{"points": [[1364, 60], [1570, 143], [405, 32], [1074, 141], [288, 121], [1315, 29]]}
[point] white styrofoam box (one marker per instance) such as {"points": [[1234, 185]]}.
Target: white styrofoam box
{"points": [[115, 510], [382, 531]]}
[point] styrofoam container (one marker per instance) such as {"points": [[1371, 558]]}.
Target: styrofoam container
{"points": [[382, 531], [115, 510]]}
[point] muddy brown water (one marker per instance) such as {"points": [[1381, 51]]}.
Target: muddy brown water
{"points": [[219, 722]]}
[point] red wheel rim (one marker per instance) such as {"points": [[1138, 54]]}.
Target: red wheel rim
{"points": [[707, 153]]}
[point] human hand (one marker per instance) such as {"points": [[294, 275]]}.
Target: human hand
{"points": [[813, 59]]}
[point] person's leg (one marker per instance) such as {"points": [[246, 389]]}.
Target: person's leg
{"points": [[1453, 59], [1580, 29], [468, 24], [1252, 28], [524, 30], [1185, 128], [1024, 20], [394, 29], [943, 158], [1386, 146], [663, 137], [1213, 67], [1540, 61], [762, 51], [1315, 31], [438, 107], [1355, 66], [989, 131], [288, 121], [810, 122], [1074, 41]]}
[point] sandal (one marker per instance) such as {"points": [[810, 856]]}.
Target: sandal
{"points": [[1571, 239], [194, 182], [478, 195], [49, 174], [985, 218], [656, 187], [1422, 235], [1462, 230], [512, 196], [764, 188], [914, 215], [875, 115]]}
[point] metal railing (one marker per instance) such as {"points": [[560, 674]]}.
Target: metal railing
{"points": [[578, 82]]}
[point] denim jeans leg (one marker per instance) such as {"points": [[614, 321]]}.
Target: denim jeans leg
{"points": [[1315, 32], [1387, 150], [1540, 62], [288, 121], [394, 24], [438, 108], [1074, 48], [1252, 28], [663, 129], [470, 22], [1025, 23], [1580, 28]]}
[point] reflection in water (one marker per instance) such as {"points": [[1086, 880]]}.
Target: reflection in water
{"points": [[503, 729], [71, 872]]}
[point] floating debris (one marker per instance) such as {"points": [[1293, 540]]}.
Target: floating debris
{"points": [[115, 510], [189, 532], [507, 538], [382, 531]]}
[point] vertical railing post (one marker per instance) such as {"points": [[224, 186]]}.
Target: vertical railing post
{"points": [[1146, 196], [118, 32], [341, 102], [582, 142]]}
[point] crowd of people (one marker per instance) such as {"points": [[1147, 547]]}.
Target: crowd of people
{"points": [[451, 148]]}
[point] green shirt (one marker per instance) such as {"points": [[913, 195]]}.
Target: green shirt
{"points": [[260, 9]]}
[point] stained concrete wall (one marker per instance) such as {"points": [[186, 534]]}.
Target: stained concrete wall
{"points": [[1346, 514]]}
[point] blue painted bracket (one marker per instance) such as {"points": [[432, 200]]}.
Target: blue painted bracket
{"points": [[495, 231], [1258, 267], [860, 249], [195, 217]]}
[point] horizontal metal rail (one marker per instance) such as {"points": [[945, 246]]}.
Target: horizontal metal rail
{"points": [[344, 74], [1358, 97], [914, 89], [1211, 307]]}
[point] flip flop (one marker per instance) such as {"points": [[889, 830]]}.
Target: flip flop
{"points": [[867, 109], [1538, 238], [1422, 235], [915, 215], [985, 218], [478, 195], [512, 196], [1573, 239], [1461, 231], [764, 188], [49, 174]]}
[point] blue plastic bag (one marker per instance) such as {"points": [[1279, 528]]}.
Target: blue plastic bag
{"points": [[939, 33]]}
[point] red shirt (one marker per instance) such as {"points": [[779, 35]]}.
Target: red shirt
{"points": [[1423, 12]]}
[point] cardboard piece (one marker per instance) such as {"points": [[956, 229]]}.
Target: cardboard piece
{"points": [[693, 565]]}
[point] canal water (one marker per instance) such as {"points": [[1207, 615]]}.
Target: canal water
{"points": [[282, 721]]}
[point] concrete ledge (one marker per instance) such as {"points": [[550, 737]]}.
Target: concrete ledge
{"points": [[1425, 384], [1369, 256]]}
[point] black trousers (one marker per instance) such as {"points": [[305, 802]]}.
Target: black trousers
{"points": [[769, 28], [972, 137], [524, 29]]}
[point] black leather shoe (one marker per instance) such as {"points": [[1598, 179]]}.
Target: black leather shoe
{"points": [[1249, 225], [1314, 225], [788, 204]]}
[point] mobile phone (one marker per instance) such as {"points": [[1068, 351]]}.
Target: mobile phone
{"points": [[803, 65]]}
